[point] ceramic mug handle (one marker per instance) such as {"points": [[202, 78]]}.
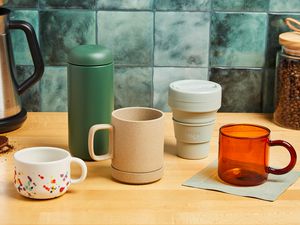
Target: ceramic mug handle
{"points": [[92, 132], [292, 162], [83, 170]]}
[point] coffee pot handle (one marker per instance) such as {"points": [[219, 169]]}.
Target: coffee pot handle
{"points": [[34, 51], [91, 135]]}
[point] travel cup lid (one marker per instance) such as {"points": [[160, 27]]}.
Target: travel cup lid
{"points": [[195, 95], [90, 55]]}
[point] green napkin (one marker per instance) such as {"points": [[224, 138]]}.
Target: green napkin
{"points": [[270, 190]]}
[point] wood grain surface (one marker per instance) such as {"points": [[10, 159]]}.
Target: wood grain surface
{"points": [[102, 200]]}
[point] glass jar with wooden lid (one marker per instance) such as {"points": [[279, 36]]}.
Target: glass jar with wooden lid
{"points": [[287, 106]]}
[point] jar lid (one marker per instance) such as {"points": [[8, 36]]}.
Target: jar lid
{"points": [[200, 94], [90, 55], [290, 40]]}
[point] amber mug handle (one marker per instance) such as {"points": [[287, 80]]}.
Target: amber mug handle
{"points": [[292, 162]]}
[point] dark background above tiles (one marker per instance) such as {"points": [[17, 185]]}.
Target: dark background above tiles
{"points": [[155, 42]]}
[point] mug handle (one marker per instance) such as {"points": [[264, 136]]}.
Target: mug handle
{"points": [[83, 170], [292, 162], [92, 132]]}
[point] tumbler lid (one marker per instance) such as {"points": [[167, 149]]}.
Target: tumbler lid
{"points": [[195, 95], [90, 55]]}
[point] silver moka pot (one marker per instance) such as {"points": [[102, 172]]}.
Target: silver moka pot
{"points": [[12, 115]]}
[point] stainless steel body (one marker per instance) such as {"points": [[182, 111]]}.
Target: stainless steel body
{"points": [[10, 103]]}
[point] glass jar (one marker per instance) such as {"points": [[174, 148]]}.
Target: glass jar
{"points": [[287, 106]]}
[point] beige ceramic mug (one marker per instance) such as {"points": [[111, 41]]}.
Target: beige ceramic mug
{"points": [[136, 144]]}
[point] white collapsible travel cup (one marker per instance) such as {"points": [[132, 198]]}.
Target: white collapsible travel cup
{"points": [[194, 104]]}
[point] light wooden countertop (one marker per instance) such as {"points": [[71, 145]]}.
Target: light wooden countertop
{"points": [[101, 200]]}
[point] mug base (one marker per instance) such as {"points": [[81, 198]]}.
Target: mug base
{"points": [[41, 196], [137, 178], [192, 150], [242, 177]]}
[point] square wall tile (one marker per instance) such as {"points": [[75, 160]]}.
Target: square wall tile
{"points": [[30, 99], [19, 42], [235, 41], [189, 5], [129, 35], [54, 93], [284, 6], [86, 4], [241, 5], [275, 28], [162, 78], [133, 86], [181, 39], [241, 89], [124, 4], [22, 3], [60, 33]]}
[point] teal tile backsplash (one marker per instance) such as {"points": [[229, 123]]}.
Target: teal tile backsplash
{"points": [[23, 3], [188, 5], [241, 88], [175, 44], [241, 5], [238, 39], [86, 4], [62, 30], [155, 42], [129, 35], [133, 86], [284, 6], [124, 4], [54, 89]]}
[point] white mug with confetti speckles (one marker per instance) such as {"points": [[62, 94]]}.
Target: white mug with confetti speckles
{"points": [[45, 172]]}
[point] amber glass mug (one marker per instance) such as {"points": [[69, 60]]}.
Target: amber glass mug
{"points": [[244, 154]]}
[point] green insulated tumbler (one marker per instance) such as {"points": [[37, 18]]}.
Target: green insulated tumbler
{"points": [[90, 97]]}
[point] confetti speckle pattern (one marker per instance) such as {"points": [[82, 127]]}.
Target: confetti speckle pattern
{"points": [[27, 185]]}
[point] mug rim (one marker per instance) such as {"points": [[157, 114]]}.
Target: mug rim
{"points": [[161, 114], [245, 124], [17, 155]]}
